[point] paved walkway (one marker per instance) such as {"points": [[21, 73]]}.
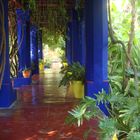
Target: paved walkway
{"points": [[40, 112]]}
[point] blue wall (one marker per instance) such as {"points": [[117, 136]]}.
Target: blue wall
{"points": [[34, 49], [7, 94], [23, 35]]}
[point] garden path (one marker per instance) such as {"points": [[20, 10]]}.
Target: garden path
{"points": [[40, 112]]}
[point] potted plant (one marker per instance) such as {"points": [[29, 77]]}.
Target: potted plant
{"points": [[26, 72], [74, 76], [78, 78], [41, 64]]}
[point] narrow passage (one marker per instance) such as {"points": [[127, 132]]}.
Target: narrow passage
{"points": [[40, 112]]}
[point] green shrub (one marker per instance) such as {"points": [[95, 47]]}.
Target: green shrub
{"points": [[73, 72]]}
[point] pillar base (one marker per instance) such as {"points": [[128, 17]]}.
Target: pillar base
{"points": [[34, 72], [7, 96], [19, 82], [92, 88]]}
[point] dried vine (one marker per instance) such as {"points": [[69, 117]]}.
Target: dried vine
{"points": [[14, 47], [13, 39], [3, 43]]}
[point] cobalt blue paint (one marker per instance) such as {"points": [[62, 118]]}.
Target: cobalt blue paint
{"points": [[27, 59], [7, 94], [96, 48], [69, 43], [34, 49], [23, 35], [19, 82], [75, 37], [78, 37], [89, 40], [82, 40], [40, 51]]}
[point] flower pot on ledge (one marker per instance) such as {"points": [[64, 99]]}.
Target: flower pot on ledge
{"points": [[26, 73]]}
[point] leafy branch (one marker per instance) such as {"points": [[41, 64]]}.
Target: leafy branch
{"points": [[114, 39]]}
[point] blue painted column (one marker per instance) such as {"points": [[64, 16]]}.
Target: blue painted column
{"points": [[23, 35], [34, 49], [7, 94], [75, 37], [78, 37], [82, 38], [69, 43], [96, 48], [40, 51]]}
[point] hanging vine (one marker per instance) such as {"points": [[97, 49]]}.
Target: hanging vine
{"points": [[13, 39], [3, 43], [14, 47]]}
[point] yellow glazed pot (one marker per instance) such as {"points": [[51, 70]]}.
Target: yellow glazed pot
{"points": [[78, 89], [41, 67]]}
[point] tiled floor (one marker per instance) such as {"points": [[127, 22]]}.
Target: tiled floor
{"points": [[40, 112]]}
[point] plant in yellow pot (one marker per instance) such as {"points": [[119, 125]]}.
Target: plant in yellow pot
{"points": [[41, 65], [66, 79], [78, 89], [74, 76], [78, 78]]}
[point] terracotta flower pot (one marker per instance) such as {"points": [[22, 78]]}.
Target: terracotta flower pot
{"points": [[26, 73]]}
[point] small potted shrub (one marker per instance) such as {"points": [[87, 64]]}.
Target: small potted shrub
{"points": [[78, 78], [41, 65], [66, 79], [74, 76]]}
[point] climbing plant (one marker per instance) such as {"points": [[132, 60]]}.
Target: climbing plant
{"points": [[13, 39], [13, 5], [123, 37], [57, 19], [53, 40], [28, 4], [3, 42]]}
